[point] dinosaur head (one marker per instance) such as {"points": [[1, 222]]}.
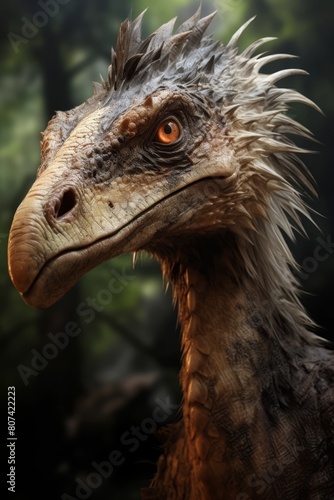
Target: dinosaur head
{"points": [[185, 138]]}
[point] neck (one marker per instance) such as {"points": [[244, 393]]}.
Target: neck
{"points": [[228, 346]]}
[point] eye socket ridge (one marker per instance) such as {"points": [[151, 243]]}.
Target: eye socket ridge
{"points": [[168, 132]]}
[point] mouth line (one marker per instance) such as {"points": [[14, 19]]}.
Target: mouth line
{"points": [[119, 230]]}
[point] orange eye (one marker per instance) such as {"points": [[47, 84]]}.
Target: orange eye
{"points": [[168, 132]]}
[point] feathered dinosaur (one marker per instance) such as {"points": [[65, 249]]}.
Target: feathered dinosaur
{"points": [[186, 152]]}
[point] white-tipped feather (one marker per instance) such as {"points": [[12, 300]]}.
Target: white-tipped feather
{"points": [[235, 38]]}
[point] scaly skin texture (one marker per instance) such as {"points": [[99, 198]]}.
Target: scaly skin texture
{"points": [[257, 413], [211, 203]]}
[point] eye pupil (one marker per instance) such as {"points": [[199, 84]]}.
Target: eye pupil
{"points": [[168, 129]]}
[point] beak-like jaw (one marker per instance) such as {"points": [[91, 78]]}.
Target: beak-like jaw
{"points": [[66, 226]]}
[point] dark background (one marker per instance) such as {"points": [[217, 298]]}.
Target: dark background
{"points": [[74, 411]]}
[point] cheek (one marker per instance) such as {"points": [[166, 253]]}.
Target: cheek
{"points": [[211, 142]]}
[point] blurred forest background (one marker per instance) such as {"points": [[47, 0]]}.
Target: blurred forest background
{"points": [[107, 379]]}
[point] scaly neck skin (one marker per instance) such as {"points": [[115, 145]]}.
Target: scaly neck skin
{"points": [[227, 355]]}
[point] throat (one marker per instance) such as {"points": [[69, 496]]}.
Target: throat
{"points": [[227, 347], [224, 345], [226, 325]]}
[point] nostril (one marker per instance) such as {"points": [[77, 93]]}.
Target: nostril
{"points": [[65, 204]]}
